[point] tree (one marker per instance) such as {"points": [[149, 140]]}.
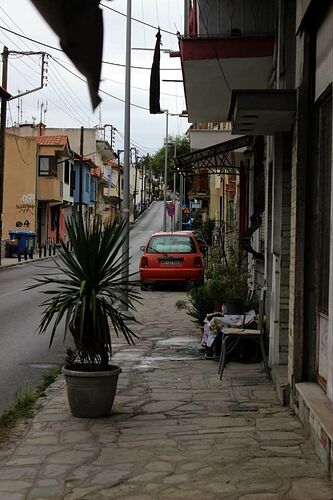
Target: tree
{"points": [[179, 145]]}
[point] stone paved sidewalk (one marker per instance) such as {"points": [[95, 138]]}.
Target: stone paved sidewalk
{"points": [[177, 432]]}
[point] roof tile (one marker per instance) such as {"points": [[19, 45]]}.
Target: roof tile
{"points": [[52, 140]]}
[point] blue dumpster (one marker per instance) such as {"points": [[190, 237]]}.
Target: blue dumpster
{"points": [[22, 242]]}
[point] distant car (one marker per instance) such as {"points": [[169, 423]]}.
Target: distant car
{"points": [[172, 257], [197, 234]]}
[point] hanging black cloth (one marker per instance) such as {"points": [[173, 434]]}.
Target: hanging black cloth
{"points": [[154, 92]]}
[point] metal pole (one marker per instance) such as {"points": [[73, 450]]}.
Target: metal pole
{"points": [[81, 170], [174, 187], [3, 135], [127, 129], [149, 186], [144, 184], [135, 183], [165, 168], [119, 184], [180, 200], [141, 187]]}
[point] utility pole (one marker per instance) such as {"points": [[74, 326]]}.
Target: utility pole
{"points": [[112, 131], [81, 170], [142, 194], [119, 151], [4, 98], [180, 215], [127, 132], [165, 168], [135, 181]]}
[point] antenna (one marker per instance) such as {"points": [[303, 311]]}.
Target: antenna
{"points": [[45, 111], [18, 108], [21, 110], [41, 112]]}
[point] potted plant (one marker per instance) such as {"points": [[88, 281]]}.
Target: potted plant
{"points": [[84, 296], [200, 303], [229, 287]]}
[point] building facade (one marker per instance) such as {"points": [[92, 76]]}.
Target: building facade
{"points": [[267, 67]]}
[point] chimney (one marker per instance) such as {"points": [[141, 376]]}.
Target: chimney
{"points": [[41, 129]]}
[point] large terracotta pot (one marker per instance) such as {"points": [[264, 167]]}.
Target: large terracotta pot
{"points": [[91, 394]]}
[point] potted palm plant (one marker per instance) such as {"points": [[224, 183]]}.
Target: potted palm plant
{"points": [[83, 299]]}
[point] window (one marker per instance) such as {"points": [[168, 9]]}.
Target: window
{"points": [[324, 199], [171, 244], [73, 178], [47, 166], [87, 182], [66, 172]]}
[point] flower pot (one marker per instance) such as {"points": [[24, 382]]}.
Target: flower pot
{"points": [[91, 394]]}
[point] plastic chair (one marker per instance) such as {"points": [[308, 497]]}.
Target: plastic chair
{"points": [[257, 335]]}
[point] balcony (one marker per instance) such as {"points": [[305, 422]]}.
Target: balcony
{"points": [[229, 45], [49, 189]]}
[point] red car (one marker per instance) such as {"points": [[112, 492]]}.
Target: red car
{"points": [[172, 257]]}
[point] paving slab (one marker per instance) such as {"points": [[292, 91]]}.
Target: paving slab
{"points": [[176, 431]]}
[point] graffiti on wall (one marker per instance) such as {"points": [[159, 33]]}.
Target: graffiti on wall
{"points": [[26, 210]]}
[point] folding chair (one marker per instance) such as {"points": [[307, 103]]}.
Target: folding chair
{"points": [[257, 335]]}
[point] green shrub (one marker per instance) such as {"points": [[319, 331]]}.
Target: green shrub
{"points": [[207, 230]]}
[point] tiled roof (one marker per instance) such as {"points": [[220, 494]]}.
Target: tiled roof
{"points": [[52, 140]]}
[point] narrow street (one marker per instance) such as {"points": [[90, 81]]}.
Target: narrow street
{"points": [[24, 355]]}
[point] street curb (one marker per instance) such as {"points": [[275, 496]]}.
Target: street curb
{"points": [[140, 216], [25, 262]]}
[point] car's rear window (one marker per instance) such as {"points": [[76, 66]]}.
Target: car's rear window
{"points": [[171, 244]]}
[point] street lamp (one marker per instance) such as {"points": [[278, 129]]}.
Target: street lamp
{"points": [[167, 114]]}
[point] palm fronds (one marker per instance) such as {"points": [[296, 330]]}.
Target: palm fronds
{"points": [[88, 289]]}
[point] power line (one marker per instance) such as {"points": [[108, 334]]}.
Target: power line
{"points": [[17, 146], [139, 20], [67, 99], [68, 113], [101, 90], [60, 50], [68, 90], [139, 88]]}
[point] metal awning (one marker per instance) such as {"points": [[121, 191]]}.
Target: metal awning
{"points": [[217, 159]]}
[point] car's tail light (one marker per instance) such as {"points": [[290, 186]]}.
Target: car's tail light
{"points": [[197, 262], [144, 262]]}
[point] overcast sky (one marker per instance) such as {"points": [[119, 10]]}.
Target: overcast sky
{"points": [[68, 102]]}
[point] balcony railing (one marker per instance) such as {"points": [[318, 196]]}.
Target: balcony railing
{"points": [[224, 18]]}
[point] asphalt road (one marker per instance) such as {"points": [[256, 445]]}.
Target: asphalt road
{"points": [[25, 355]]}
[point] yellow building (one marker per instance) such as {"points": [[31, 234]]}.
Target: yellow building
{"points": [[19, 194]]}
